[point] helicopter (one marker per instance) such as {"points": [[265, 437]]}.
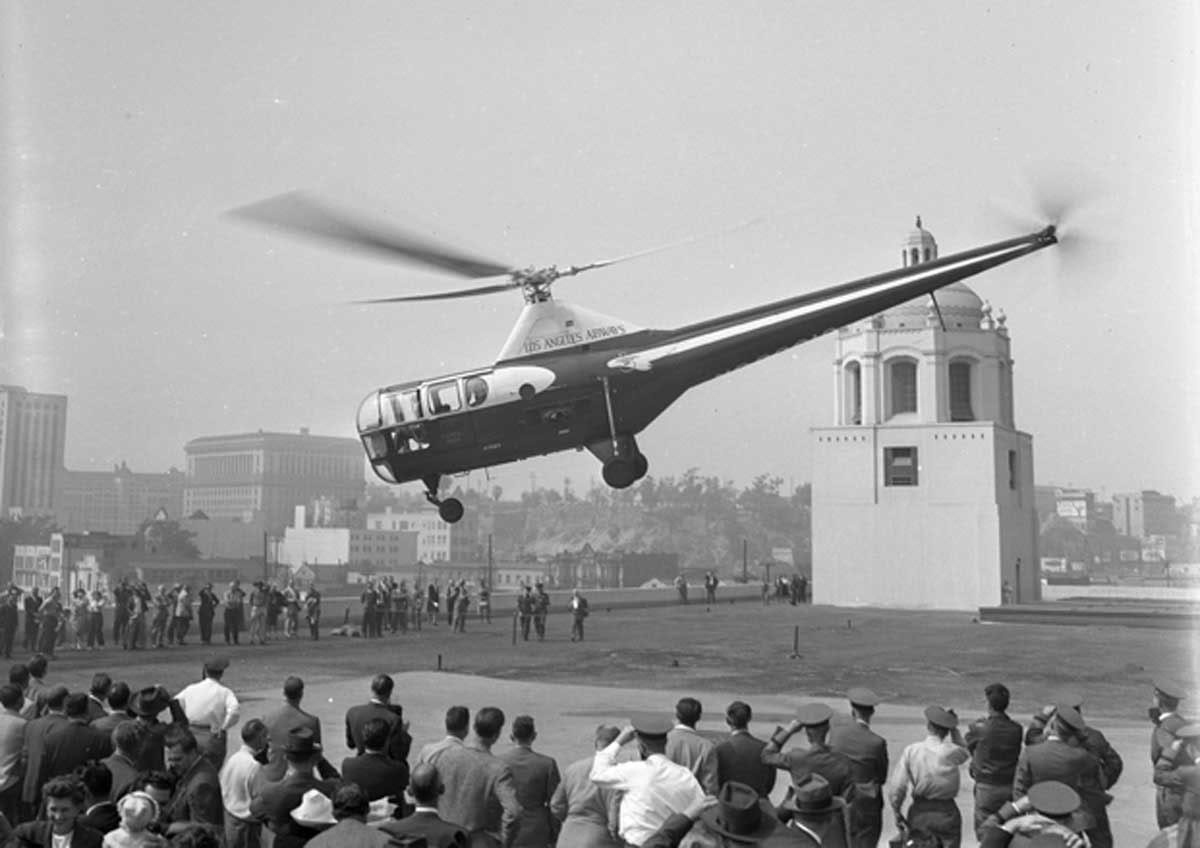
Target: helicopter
{"points": [[571, 378]]}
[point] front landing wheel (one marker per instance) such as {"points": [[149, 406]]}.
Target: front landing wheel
{"points": [[450, 510]]}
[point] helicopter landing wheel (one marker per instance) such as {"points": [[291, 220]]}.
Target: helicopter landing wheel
{"points": [[640, 466], [620, 473], [450, 510]]}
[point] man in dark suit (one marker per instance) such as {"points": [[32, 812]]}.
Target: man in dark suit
{"points": [[72, 743], [380, 706], [122, 764], [479, 792], [275, 802], [197, 796], [64, 803], [147, 705], [425, 787], [739, 758], [100, 813], [995, 745], [535, 777], [283, 719], [378, 774], [1062, 757], [867, 752], [98, 696], [36, 732], [118, 703]]}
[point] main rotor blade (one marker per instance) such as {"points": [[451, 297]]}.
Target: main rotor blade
{"points": [[578, 269], [498, 287], [298, 212]]}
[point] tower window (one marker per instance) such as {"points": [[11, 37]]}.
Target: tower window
{"points": [[1012, 470], [854, 393], [960, 392], [900, 466], [903, 386]]}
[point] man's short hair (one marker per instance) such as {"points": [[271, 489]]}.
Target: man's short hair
{"points": [[101, 684], [56, 697], [252, 730], [182, 738], [375, 733], [63, 787], [382, 686], [458, 720], [127, 736], [157, 779], [38, 665], [425, 785], [489, 721], [523, 729], [997, 696], [350, 800], [76, 705], [97, 779], [19, 675], [688, 711], [197, 835], [118, 695], [11, 696], [738, 715], [293, 688]]}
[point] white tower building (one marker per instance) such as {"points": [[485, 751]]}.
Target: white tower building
{"points": [[923, 488]]}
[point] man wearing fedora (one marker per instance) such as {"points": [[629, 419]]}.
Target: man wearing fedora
{"points": [[1168, 800], [275, 802], [1062, 757], [737, 816], [818, 817], [931, 771], [350, 809], [817, 758], [146, 705], [867, 752]]}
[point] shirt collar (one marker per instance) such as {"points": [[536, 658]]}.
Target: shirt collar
{"points": [[421, 809]]}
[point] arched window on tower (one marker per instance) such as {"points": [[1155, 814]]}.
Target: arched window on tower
{"points": [[915, 256], [853, 389], [960, 391], [902, 386]]}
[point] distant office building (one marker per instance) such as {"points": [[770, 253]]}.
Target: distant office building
{"points": [[33, 437], [227, 538], [1076, 506], [433, 534], [116, 501], [267, 475], [363, 551], [923, 489], [1144, 514], [71, 561]]}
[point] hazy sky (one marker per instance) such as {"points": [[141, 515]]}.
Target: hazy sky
{"points": [[555, 132]]}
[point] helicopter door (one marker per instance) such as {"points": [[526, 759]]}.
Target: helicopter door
{"points": [[453, 431]]}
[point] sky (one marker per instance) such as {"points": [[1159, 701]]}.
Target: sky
{"points": [[568, 132]]}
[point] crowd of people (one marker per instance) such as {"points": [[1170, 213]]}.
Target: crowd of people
{"points": [[119, 766], [389, 605]]}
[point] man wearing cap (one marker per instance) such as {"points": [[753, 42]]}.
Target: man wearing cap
{"points": [[1050, 807], [653, 788], [691, 750], [739, 758], [737, 816], [1178, 768], [930, 769], [1167, 722], [818, 757], [1062, 757], [1090, 737], [211, 709], [995, 745], [587, 814], [274, 804], [867, 752]]}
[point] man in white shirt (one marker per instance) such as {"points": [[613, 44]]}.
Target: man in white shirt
{"points": [[211, 709], [653, 787], [12, 750], [932, 770], [239, 784]]}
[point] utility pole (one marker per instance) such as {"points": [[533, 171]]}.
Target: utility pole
{"points": [[266, 567], [745, 572], [489, 577]]}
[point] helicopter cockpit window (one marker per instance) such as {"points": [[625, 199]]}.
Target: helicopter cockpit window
{"points": [[409, 438], [368, 413], [399, 407], [476, 390], [444, 398]]}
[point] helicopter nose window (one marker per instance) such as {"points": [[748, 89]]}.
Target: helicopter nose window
{"points": [[399, 407], [376, 445], [410, 438], [443, 397], [368, 413], [477, 390]]}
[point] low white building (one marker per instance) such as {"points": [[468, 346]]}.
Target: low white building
{"points": [[365, 551], [433, 534]]}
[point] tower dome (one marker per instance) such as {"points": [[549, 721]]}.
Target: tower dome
{"points": [[959, 305], [919, 246]]}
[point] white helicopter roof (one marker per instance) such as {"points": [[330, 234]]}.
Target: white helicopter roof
{"points": [[551, 325]]}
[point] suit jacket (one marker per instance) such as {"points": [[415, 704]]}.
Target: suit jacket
{"points": [[739, 758], [535, 777], [480, 794], [151, 755], [95, 709], [124, 773], [37, 834], [1056, 760], [376, 774], [102, 818], [399, 741], [867, 752], [197, 796], [819, 759], [35, 754], [72, 743], [584, 810], [274, 804], [995, 746], [437, 833], [689, 749], [279, 721], [350, 833], [108, 722]]}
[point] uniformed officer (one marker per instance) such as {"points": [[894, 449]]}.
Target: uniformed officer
{"points": [[1168, 800], [817, 758], [1050, 807], [867, 752], [1090, 737], [1178, 767], [541, 607]]}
